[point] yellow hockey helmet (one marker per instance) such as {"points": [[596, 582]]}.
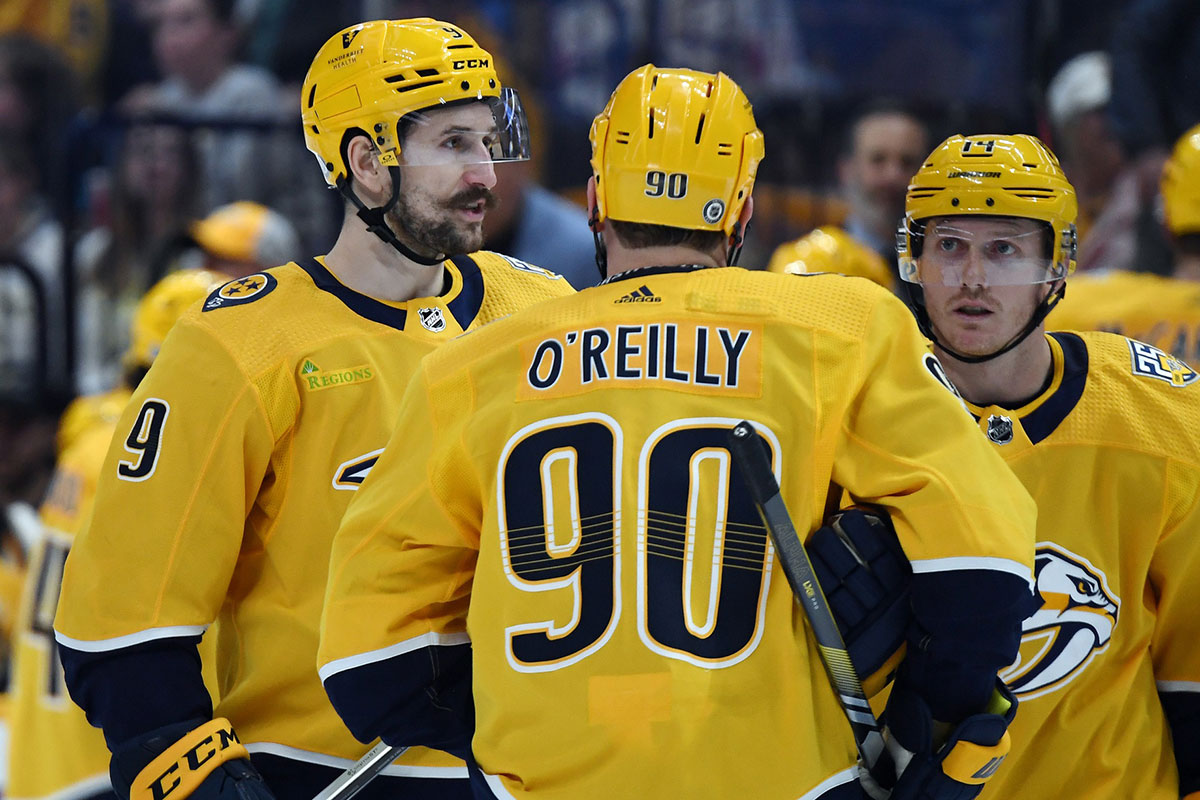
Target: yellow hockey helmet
{"points": [[247, 232], [367, 77], [831, 249], [161, 307], [991, 175], [1181, 185], [675, 147], [86, 412]]}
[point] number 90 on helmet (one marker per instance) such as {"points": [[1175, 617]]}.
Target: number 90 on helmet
{"points": [[996, 176], [369, 77], [675, 147]]}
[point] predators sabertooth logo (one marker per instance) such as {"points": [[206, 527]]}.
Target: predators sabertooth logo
{"points": [[1075, 622]]}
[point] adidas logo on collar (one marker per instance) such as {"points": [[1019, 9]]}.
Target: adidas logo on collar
{"points": [[639, 295]]}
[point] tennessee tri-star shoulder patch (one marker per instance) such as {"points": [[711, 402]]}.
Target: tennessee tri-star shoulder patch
{"points": [[241, 290]]}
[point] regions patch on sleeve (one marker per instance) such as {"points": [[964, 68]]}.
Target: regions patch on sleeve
{"points": [[1150, 362], [241, 290]]}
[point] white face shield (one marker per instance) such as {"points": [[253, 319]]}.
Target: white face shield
{"points": [[488, 130], [983, 251]]}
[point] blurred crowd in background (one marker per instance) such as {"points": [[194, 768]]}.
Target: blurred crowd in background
{"points": [[139, 137]]}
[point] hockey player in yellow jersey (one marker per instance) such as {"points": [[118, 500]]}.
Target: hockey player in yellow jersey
{"points": [[556, 525], [1104, 431], [53, 752], [266, 408], [1163, 311]]}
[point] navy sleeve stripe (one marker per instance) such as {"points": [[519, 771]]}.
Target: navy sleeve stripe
{"points": [[134, 690], [421, 697], [1183, 716], [398, 649]]}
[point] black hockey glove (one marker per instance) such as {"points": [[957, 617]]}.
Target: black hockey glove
{"points": [[953, 765], [195, 759], [866, 578]]}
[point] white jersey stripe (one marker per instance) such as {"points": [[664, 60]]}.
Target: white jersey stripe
{"points": [[129, 640], [384, 653]]}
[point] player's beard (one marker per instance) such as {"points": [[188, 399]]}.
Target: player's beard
{"points": [[431, 227]]}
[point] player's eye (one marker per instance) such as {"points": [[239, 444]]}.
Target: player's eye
{"points": [[453, 143], [1004, 248], [948, 244]]}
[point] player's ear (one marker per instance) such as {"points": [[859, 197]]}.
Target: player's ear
{"points": [[362, 159], [593, 207], [747, 213]]}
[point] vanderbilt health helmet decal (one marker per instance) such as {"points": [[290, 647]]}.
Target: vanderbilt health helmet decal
{"points": [[242, 290], [1075, 622]]}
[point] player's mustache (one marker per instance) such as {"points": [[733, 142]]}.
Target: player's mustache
{"points": [[469, 197]]}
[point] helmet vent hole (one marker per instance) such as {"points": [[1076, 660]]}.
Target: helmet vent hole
{"points": [[991, 202], [427, 73], [312, 93], [650, 133], [1030, 166], [465, 85], [654, 83], [412, 86], [954, 201], [709, 94], [491, 84], [314, 129], [700, 127], [458, 46], [399, 76]]}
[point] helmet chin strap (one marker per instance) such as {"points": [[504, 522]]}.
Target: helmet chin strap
{"points": [[736, 237], [376, 219], [1044, 308]]}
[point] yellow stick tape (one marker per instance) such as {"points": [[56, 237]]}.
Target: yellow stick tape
{"points": [[183, 766], [974, 763]]}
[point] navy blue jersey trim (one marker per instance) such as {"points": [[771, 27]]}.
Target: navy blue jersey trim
{"points": [[465, 307], [1046, 418], [642, 272], [1183, 715], [292, 779], [358, 303], [134, 690], [422, 697]]}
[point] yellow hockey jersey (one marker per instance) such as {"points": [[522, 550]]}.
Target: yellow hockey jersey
{"points": [[1111, 453], [53, 752], [1164, 312], [232, 466], [559, 493]]}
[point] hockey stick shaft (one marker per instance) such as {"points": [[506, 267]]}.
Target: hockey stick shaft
{"points": [[350, 782], [751, 458]]}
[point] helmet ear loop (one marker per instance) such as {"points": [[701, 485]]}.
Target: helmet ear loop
{"points": [[598, 240]]}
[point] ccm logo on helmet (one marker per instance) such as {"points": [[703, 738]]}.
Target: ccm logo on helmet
{"points": [[471, 63]]}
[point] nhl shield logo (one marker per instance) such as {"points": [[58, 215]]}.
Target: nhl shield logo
{"points": [[432, 319], [999, 429]]}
